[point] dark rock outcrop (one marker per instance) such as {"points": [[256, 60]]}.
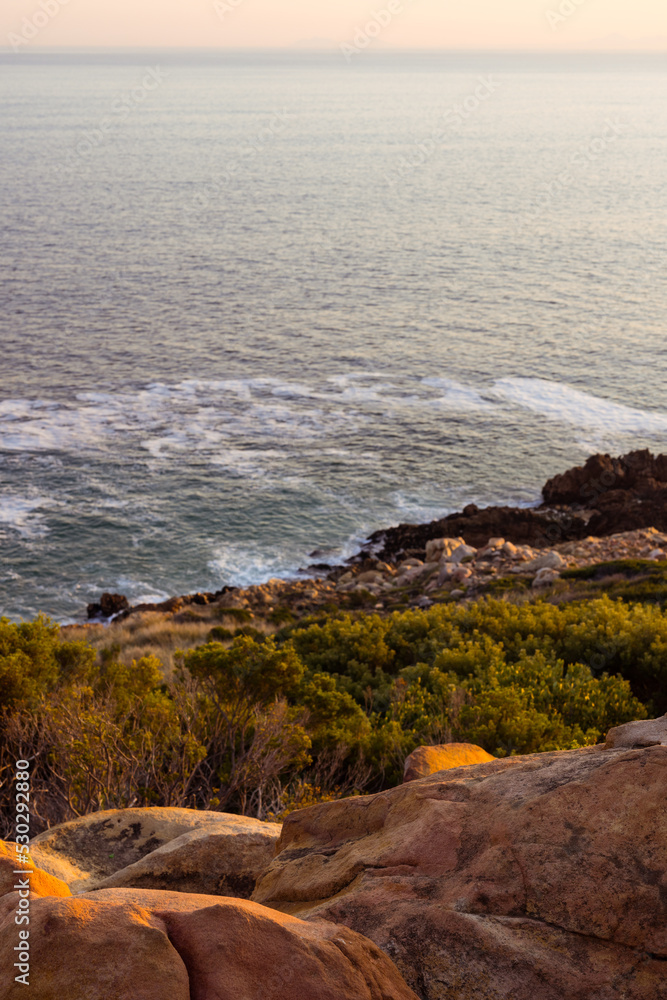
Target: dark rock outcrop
{"points": [[604, 497], [476, 526], [108, 606]]}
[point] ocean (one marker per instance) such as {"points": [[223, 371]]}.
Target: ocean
{"points": [[260, 304]]}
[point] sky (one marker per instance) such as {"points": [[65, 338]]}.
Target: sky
{"points": [[598, 25]]}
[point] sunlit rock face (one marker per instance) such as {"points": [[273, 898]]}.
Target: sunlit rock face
{"points": [[542, 876]]}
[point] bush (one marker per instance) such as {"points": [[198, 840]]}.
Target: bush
{"points": [[327, 708]]}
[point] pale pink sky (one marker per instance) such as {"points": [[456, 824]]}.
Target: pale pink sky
{"points": [[448, 24]]}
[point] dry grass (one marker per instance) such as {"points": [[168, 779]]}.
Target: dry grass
{"points": [[158, 634]]}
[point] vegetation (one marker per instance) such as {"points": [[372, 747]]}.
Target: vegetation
{"points": [[263, 724]]}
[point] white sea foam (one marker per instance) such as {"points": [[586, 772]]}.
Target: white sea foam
{"points": [[457, 396], [240, 564], [23, 515], [140, 592], [563, 403]]}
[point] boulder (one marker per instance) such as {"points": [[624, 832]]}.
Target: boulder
{"points": [[542, 876], [545, 578], [441, 548], [646, 733], [549, 560], [225, 864], [463, 553], [132, 944], [519, 525], [603, 497], [429, 760], [100, 844], [84, 950], [41, 882]]}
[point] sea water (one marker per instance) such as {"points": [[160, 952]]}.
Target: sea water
{"points": [[257, 305]]}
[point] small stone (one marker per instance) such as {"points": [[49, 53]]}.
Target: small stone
{"points": [[545, 578], [456, 594], [446, 573], [550, 560], [409, 564], [463, 554]]}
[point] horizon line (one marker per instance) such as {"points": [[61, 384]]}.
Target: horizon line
{"points": [[333, 47]]}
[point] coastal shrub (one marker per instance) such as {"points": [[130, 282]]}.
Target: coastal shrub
{"points": [[608, 636], [33, 659], [330, 706]]}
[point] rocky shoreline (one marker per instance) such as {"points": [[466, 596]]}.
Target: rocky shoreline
{"points": [[610, 509]]}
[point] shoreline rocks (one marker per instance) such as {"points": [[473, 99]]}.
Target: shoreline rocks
{"points": [[610, 508]]}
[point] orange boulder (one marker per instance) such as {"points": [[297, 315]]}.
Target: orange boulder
{"points": [[429, 760], [138, 944], [40, 882]]}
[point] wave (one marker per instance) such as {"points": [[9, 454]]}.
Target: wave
{"points": [[23, 515], [563, 403]]}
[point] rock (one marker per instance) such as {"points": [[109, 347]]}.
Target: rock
{"points": [[542, 876], [604, 497], [646, 733], [446, 571], [509, 550], [372, 576], [545, 578], [439, 548], [461, 574], [550, 560], [224, 864], [456, 594], [408, 564], [41, 883], [429, 760], [658, 554], [463, 554], [131, 944], [108, 606], [85, 950], [639, 473], [411, 575], [104, 843], [519, 525], [423, 602]]}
